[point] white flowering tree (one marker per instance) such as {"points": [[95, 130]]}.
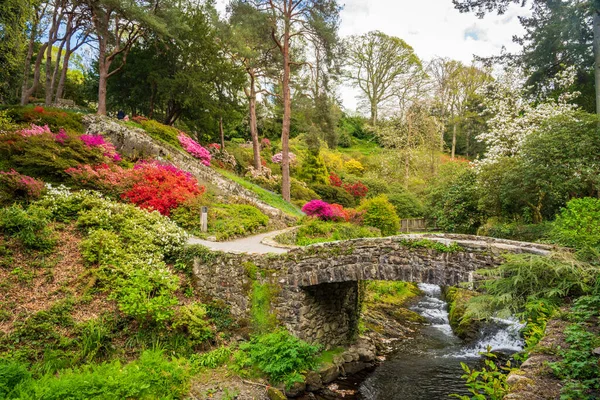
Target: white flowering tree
{"points": [[515, 115]]}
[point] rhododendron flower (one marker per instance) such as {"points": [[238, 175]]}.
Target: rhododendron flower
{"points": [[357, 189], [35, 130], [98, 141], [277, 158], [61, 136], [335, 180], [319, 209], [339, 213], [194, 148]]}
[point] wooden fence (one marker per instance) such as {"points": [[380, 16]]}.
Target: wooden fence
{"points": [[418, 225]]}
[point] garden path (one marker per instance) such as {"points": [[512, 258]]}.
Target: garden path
{"points": [[250, 245]]}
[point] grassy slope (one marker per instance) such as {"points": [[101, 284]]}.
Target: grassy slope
{"points": [[272, 199]]}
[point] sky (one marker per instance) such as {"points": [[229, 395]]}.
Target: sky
{"points": [[431, 27]]}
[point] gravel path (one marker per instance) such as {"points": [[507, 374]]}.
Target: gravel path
{"points": [[250, 244]]}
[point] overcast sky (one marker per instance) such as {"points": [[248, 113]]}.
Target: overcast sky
{"points": [[431, 27]]}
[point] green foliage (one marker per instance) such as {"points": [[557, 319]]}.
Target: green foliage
{"points": [[55, 118], [578, 367], [390, 292], [152, 376], [465, 327], [577, 225], [313, 169], [41, 156], [317, 231], [163, 133], [101, 247], [263, 320], [334, 194], [12, 373], [523, 278], [515, 230], [407, 205], [345, 140], [381, 214], [279, 355], [211, 359], [489, 383], [192, 320], [299, 191], [95, 339], [431, 244], [29, 225], [224, 220], [453, 199]]}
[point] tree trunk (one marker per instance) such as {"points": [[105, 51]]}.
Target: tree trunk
{"points": [[63, 74], [373, 114], [253, 125], [453, 140], [28, 63], [152, 100], [27, 92], [597, 58], [103, 78], [221, 133], [50, 90], [287, 114]]}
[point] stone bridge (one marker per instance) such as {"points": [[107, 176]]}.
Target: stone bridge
{"points": [[314, 290]]}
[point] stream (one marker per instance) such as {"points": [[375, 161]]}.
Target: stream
{"points": [[427, 367]]}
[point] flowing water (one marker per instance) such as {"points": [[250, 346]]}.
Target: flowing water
{"points": [[427, 367]]}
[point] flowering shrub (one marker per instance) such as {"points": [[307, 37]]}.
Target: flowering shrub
{"points": [[15, 185], [358, 189], [277, 158], [194, 148], [339, 214], [109, 179], [319, 209], [264, 143], [35, 130], [161, 187], [61, 136], [354, 167], [98, 141], [215, 146], [335, 180]]}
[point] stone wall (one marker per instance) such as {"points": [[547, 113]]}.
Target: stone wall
{"points": [[317, 296], [136, 144]]}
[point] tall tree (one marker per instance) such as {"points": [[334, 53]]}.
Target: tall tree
{"points": [[292, 21], [375, 62], [558, 34]]}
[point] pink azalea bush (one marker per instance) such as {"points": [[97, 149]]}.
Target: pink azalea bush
{"points": [[320, 209], [61, 136], [35, 130], [277, 158], [194, 148], [19, 185], [98, 141], [264, 143]]}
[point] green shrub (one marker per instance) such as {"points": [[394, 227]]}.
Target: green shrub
{"points": [[192, 320], [211, 359], [299, 191], [317, 231], [334, 194], [29, 226], [6, 123], [407, 205], [279, 355], [578, 224], [262, 319], [161, 132], [53, 117], [101, 247], [515, 230], [313, 169], [12, 373], [42, 156], [224, 220], [380, 213], [150, 377], [345, 140]]}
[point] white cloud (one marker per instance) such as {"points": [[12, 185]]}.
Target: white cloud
{"points": [[431, 27]]}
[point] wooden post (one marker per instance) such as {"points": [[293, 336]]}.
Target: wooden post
{"points": [[204, 219]]}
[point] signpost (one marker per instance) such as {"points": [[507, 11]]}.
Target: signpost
{"points": [[204, 219]]}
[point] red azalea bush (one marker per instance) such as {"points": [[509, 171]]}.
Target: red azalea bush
{"points": [[15, 185], [149, 185], [194, 148], [339, 213], [139, 119], [215, 146], [161, 187], [358, 189], [335, 180]]}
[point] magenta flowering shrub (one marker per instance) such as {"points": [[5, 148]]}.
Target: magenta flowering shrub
{"points": [[319, 209], [61, 136], [35, 130], [15, 185], [98, 141], [194, 148], [277, 158]]}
